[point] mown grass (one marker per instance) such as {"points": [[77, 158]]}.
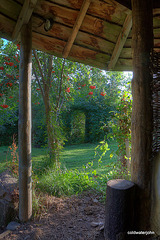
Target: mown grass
{"points": [[72, 157], [38, 158], [78, 156], [80, 169]]}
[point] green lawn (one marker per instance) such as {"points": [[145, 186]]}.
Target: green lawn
{"points": [[78, 156], [38, 157], [80, 169], [72, 157]]}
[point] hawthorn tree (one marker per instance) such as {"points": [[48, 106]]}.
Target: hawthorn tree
{"points": [[50, 80]]}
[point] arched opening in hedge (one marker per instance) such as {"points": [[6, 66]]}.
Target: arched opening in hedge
{"points": [[78, 126]]}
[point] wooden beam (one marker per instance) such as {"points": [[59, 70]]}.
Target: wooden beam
{"points": [[76, 27], [125, 3], [24, 16], [91, 24], [24, 124], [120, 42], [142, 110], [156, 11], [156, 4], [99, 9]]}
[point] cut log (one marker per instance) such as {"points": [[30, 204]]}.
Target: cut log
{"points": [[119, 209]]}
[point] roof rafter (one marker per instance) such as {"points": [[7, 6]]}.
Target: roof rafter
{"points": [[120, 41], [76, 27], [156, 11], [24, 17], [127, 3]]}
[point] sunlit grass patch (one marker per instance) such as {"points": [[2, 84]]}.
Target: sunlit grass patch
{"points": [[80, 169]]}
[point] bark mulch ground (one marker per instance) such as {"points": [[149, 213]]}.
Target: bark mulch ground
{"points": [[74, 218]]}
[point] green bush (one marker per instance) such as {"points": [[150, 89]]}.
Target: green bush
{"points": [[7, 131]]}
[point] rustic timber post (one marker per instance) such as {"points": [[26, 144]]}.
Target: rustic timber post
{"points": [[119, 209], [142, 44], [24, 126]]}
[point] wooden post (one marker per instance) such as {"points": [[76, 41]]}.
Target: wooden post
{"points": [[119, 209], [142, 44], [24, 127]]}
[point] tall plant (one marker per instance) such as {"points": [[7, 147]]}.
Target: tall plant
{"points": [[121, 127]]}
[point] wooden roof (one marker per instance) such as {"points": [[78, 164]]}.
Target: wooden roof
{"points": [[94, 32]]}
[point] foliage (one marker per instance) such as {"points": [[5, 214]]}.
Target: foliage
{"points": [[7, 130], [39, 130], [106, 88], [114, 171], [121, 123], [65, 182], [9, 75], [80, 170], [101, 150], [69, 93], [12, 157], [77, 127], [42, 67], [39, 201]]}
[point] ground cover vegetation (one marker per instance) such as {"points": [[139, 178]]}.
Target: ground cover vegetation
{"points": [[85, 109]]}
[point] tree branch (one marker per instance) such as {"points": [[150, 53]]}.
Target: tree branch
{"points": [[39, 84], [45, 64], [39, 67], [50, 63], [61, 81]]}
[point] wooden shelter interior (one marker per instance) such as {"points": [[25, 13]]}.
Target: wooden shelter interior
{"points": [[94, 32]]}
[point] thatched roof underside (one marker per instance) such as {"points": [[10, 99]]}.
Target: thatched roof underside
{"points": [[94, 32]]}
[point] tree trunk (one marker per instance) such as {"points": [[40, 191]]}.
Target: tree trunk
{"points": [[51, 133], [24, 127], [142, 43]]}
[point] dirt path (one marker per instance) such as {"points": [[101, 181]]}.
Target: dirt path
{"points": [[75, 218]]}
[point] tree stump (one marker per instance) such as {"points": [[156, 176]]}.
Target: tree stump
{"points": [[119, 209]]}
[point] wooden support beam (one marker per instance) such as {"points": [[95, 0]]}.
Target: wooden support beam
{"points": [[156, 11], [156, 4], [125, 3], [142, 45], [24, 125], [24, 17], [76, 27], [120, 42]]}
